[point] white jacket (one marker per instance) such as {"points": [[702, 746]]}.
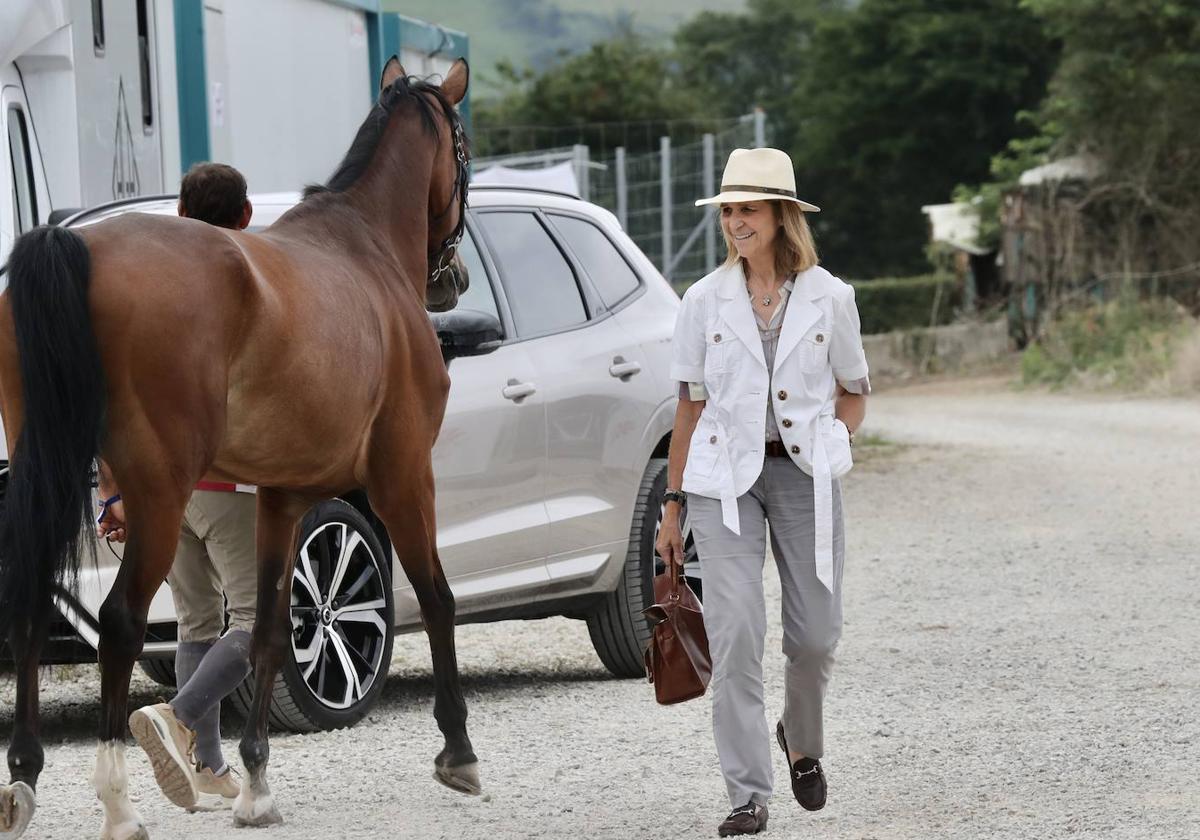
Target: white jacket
{"points": [[717, 342]]}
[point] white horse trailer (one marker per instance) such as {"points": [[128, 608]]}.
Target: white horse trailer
{"points": [[110, 99]]}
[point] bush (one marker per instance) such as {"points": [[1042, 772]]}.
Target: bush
{"points": [[901, 303], [1125, 343]]}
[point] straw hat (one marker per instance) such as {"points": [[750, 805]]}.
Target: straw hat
{"points": [[758, 175]]}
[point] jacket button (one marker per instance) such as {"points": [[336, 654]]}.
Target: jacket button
{"points": [[787, 424], [820, 338], [712, 439], [783, 395], [717, 338], [795, 449]]}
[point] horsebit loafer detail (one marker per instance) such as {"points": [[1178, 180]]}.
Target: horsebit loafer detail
{"points": [[751, 818], [808, 779]]}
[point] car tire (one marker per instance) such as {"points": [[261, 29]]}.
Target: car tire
{"points": [[618, 629], [162, 671], [335, 668]]}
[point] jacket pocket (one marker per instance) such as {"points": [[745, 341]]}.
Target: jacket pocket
{"points": [[704, 451], [716, 356], [814, 350]]}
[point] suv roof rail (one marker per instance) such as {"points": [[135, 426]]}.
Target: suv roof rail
{"points": [[525, 188], [120, 202]]}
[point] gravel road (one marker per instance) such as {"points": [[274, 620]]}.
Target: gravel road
{"points": [[1019, 661]]}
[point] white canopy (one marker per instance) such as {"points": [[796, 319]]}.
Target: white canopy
{"points": [[560, 177]]}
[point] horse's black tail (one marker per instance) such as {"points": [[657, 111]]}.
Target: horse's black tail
{"points": [[47, 504]]}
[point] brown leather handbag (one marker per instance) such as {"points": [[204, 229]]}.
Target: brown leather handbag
{"points": [[677, 657]]}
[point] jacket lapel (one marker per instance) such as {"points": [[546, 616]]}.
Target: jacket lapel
{"points": [[801, 313], [735, 311]]}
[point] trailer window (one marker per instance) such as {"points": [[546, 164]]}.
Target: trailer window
{"points": [[98, 26], [143, 25], [24, 197]]}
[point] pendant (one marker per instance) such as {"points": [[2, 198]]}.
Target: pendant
{"points": [[766, 300]]}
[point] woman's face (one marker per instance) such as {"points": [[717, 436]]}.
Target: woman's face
{"points": [[752, 225]]}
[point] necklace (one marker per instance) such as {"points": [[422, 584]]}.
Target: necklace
{"points": [[765, 300]]}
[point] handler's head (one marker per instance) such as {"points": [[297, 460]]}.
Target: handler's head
{"points": [[760, 212], [215, 193]]}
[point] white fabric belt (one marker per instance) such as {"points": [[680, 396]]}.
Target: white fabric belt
{"points": [[822, 505], [822, 502]]}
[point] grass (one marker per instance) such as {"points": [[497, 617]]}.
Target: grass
{"points": [[1125, 344]]}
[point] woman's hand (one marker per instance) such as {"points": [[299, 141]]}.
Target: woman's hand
{"points": [[669, 544], [111, 524]]}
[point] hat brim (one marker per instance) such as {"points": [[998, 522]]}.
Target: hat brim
{"points": [[736, 197]]}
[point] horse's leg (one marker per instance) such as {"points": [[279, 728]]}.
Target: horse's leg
{"points": [[153, 522], [407, 510], [275, 534], [25, 756]]}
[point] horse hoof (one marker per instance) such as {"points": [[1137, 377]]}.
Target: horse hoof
{"points": [[127, 831], [464, 778], [271, 817], [17, 804], [256, 814]]}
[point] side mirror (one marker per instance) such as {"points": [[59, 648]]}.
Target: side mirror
{"points": [[467, 332], [62, 214]]}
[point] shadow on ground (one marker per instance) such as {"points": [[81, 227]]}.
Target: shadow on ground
{"points": [[72, 713]]}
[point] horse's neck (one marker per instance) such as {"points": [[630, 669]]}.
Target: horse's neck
{"points": [[393, 197]]}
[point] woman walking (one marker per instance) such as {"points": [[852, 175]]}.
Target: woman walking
{"points": [[773, 382]]}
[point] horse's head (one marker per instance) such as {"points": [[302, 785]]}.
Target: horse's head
{"points": [[448, 185], [443, 291]]}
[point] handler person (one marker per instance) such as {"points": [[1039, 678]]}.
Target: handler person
{"points": [[772, 384], [214, 571]]}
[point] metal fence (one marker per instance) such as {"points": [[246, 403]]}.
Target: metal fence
{"points": [[653, 194]]}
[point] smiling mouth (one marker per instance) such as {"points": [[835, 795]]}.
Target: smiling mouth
{"points": [[743, 237]]}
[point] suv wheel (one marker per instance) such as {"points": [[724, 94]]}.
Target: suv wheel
{"points": [[619, 630], [341, 623], [162, 671]]}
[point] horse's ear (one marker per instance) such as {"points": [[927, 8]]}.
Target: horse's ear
{"points": [[455, 86], [392, 71]]}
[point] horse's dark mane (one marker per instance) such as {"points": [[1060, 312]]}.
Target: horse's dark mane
{"points": [[362, 150]]}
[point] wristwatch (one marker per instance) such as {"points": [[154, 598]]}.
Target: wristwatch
{"points": [[676, 496]]}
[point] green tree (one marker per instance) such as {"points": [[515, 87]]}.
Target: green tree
{"points": [[900, 101], [1126, 94], [586, 98], [735, 61]]}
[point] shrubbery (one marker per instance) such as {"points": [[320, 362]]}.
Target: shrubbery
{"points": [[902, 303], [1125, 343]]}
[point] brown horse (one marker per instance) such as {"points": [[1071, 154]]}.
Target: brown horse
{"points": [[300, 359]]}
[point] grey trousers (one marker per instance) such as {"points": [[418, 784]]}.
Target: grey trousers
{"points": [[736, 623]]}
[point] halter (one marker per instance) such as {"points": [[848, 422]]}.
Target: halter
{"points": [[442, 257]]}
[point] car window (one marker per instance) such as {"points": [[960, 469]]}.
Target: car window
{"points": [[479, 295], [24, 195], [611, 275], [542, 290]]}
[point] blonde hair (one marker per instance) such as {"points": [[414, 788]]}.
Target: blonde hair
{"points": [[795, 250]]}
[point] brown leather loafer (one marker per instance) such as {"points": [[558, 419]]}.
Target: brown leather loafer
{"points": [[808, 779], [751, 818]]}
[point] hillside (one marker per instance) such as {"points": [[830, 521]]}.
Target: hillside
{"points": [[533, 32]]}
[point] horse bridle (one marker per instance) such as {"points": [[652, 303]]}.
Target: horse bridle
{"points": [[441, 259]]}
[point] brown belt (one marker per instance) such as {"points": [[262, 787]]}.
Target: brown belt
{"points": [[776, 449]]}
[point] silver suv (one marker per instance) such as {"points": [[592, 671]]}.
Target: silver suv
{"points": [[550, 465]]}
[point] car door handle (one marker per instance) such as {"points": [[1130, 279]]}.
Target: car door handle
{"points": [[517, 391], [622, 369]]}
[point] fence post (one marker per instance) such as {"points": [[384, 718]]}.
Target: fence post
{"points": [[760, 128], [665, 192], [710, 233], [581, 169], [622, 190]]}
